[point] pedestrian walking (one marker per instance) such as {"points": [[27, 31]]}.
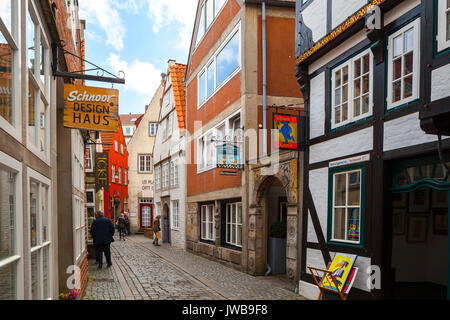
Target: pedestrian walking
{"points": [[102, 232], [127, 223], [156, 230], [121, 226]]}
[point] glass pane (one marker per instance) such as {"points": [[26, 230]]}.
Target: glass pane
{"points": [[203, 229], [337, 115], [339, 189], [401, 178], [345, 75], [202, 89], [46, 272], [357, 87], [8, 282], [218, 5], [427, 171], [344, 112], [357, 68], [337, 99], [345, 93], [42, 126], [31, 35], [353, 224], [356, 107], [7, 214], [239, 236], [228, 232], [339, 224], [6, 13], [35, 271], [201, 26], [239, 221], [228, 59], [31, 113], [33, 213], [42, 63], [337, 76], [210, 79], [409, 40], [397, 91], [366, 63], [354, 189], [365, 104], [233, 213], [408, 87], [408, 60], [397, 68], [398, 47], [209, 12], [45, 215], [448, 4], [6, 84], [366, 84], [448, 25], [233, 233], [414, 174]]}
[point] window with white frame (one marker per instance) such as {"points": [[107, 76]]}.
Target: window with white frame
{"points": [[207, 223], [175, 214], [126, 177], [158, 178], [40, 241], [90, 209], [113, 173], [170, 125], [224, 63], [78, 159], [346, 206], [11, 257], [403, 65], [352, 92], [10, 109], [38, 63], [121, 148], [164, 129], [145, 163], [152, 129], [79, 228], [128, 131], [209, 11], [165, 175], [174, 172], [206, 152], [120, 175], [234, 224], [116, 146], [443, 22], [89, 167]]}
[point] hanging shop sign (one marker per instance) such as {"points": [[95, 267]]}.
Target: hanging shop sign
{"points": [[91, 108], [287, 130], [228, 156], [340, 29], [102, 171]]}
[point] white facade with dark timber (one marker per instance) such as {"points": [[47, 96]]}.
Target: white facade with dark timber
{"points": [[376, 103]]}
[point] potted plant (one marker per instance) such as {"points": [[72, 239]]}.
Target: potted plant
{"points": [[276, 255]]}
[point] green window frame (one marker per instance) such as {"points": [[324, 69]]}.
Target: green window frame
{"points": [[347, 207]]}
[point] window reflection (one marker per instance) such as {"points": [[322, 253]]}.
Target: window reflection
{"points": [[6, 84], [228, 59]]}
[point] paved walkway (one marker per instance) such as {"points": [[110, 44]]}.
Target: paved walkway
{"points": [[142, 271]]}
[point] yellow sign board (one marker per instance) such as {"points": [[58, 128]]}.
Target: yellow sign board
{"points": [[91, 108]]}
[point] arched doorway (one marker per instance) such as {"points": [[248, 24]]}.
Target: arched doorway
{"points": [[166, 224], [274, 206]]}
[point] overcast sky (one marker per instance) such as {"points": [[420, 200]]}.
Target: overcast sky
{"points": [[137, 37]]}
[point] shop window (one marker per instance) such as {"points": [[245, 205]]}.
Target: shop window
{"points": [[443, 23], [346, 207], [207, 223], [234, 224], [352, 90], [403, 65]]}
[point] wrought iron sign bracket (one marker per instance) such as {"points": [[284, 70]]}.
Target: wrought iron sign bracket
{"points": [[120, 79]]}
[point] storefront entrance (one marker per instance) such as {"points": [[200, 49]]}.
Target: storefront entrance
{"points": [[419, 237], [166, 224]]}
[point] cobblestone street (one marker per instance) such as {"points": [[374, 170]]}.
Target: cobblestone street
{"points": [[141, 271]]}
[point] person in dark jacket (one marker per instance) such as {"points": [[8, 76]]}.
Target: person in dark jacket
{"points": [[122, 226], [102, 232], [127, 223], [156, 229]]}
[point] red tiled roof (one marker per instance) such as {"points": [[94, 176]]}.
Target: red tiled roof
{"points": [[126, 118], [177, 74]]}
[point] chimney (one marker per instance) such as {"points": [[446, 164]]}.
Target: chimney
{"points": [[146, 107], [171, 62], [163, 78]]}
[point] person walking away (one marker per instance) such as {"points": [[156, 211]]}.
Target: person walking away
{"points": [[156, 229], [121, 226], [102, 232], [127, 223]]}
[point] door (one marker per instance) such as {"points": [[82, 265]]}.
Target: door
{"points": [[146, 215], [166, 235]]}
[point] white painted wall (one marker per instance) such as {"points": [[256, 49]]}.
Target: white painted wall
{"points": [[355, 142], [342, 9], [317, 113], [315, 18], [318, 184], [405, 132], [440, 86]]}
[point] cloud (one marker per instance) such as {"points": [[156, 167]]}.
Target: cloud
{"points": [[141, 77], [165, 12], [103, 13]]}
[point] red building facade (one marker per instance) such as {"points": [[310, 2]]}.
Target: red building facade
{"points": [[116, 199]]}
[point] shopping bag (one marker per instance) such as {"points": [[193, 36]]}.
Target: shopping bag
{"points": [[158, 234]]}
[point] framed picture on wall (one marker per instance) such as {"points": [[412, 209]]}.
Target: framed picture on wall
{"points": [[439, 199], [417, 228], [440, 221], [419, 200], [399, 221], [399, 199]]}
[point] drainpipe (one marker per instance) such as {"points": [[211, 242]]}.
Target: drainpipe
{"points": [[264, 65]]}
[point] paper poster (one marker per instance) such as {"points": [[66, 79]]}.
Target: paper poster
{"points": [[341, 266]]}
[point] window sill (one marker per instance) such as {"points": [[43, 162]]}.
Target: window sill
{"points": [[406, 103]]}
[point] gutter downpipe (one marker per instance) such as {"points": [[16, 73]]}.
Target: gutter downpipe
{"points": [[264, 65]]}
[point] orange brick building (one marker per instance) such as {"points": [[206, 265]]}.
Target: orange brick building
{"points": [[225, 96]]}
